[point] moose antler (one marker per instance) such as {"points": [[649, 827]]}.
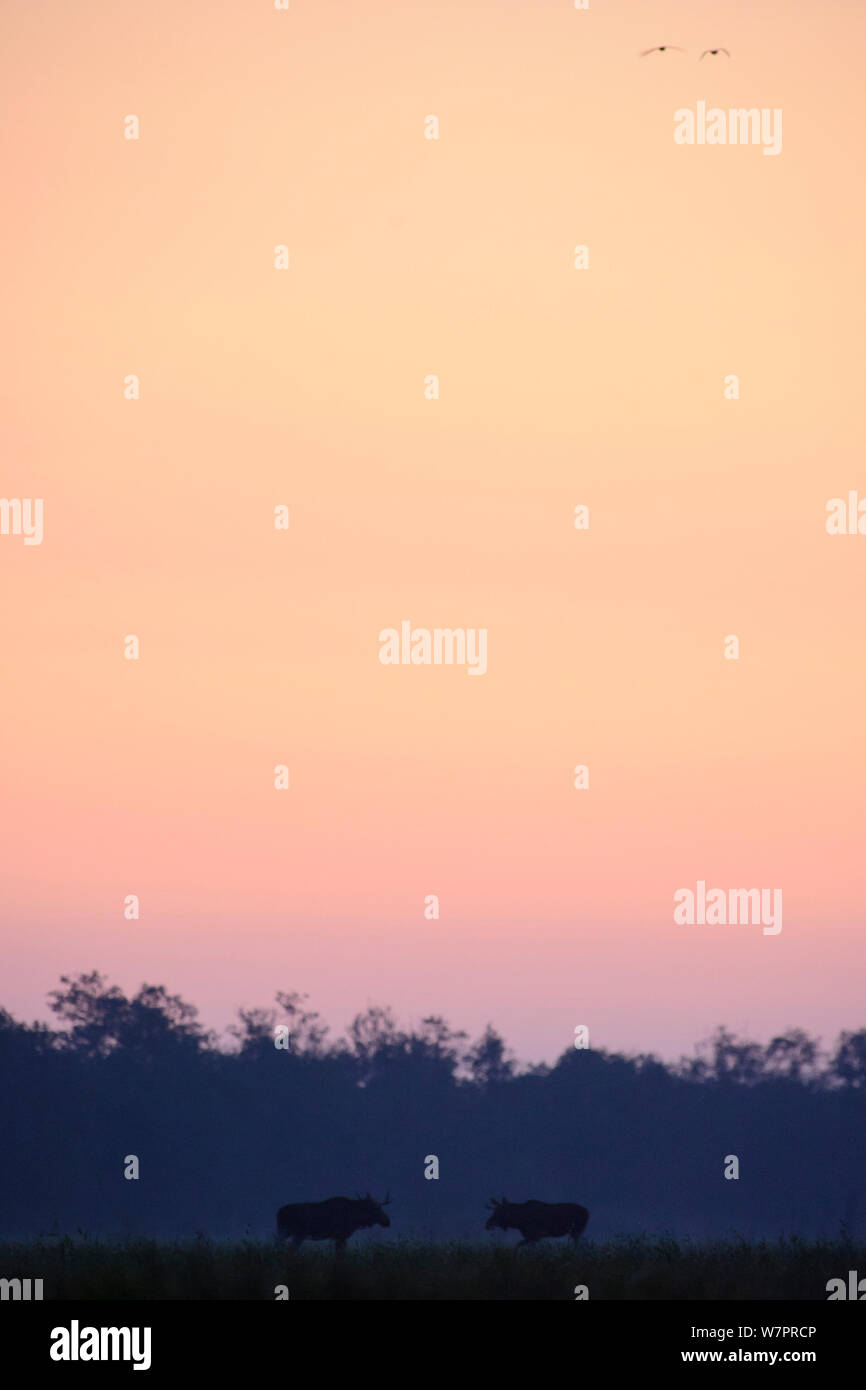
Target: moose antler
{"points": [[387, 1198]]}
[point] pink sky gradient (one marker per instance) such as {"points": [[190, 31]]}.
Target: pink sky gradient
{"points": [[558, 387]]}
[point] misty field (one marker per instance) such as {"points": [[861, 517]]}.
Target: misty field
{"points": [[633, 1268]]}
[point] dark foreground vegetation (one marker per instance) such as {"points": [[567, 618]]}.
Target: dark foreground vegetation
{"points": [[226, 1131], [639, 1268]]}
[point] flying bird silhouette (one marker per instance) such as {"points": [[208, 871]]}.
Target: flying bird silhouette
{"points": [[713, 52], [661, 48]]}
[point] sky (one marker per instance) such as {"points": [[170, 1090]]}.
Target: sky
{"points": [[604, 387]]}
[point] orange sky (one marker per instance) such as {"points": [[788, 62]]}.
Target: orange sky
{"points": [[557, 387]]}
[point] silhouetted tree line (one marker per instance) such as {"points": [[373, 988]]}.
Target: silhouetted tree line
{"points": [[227, 1132]]}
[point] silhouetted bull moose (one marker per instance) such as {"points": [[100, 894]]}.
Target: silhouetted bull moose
{"points": [[335, 1219], [535, 1220]]}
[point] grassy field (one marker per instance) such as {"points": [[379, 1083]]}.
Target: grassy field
{"points": [[634, 1268]]}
